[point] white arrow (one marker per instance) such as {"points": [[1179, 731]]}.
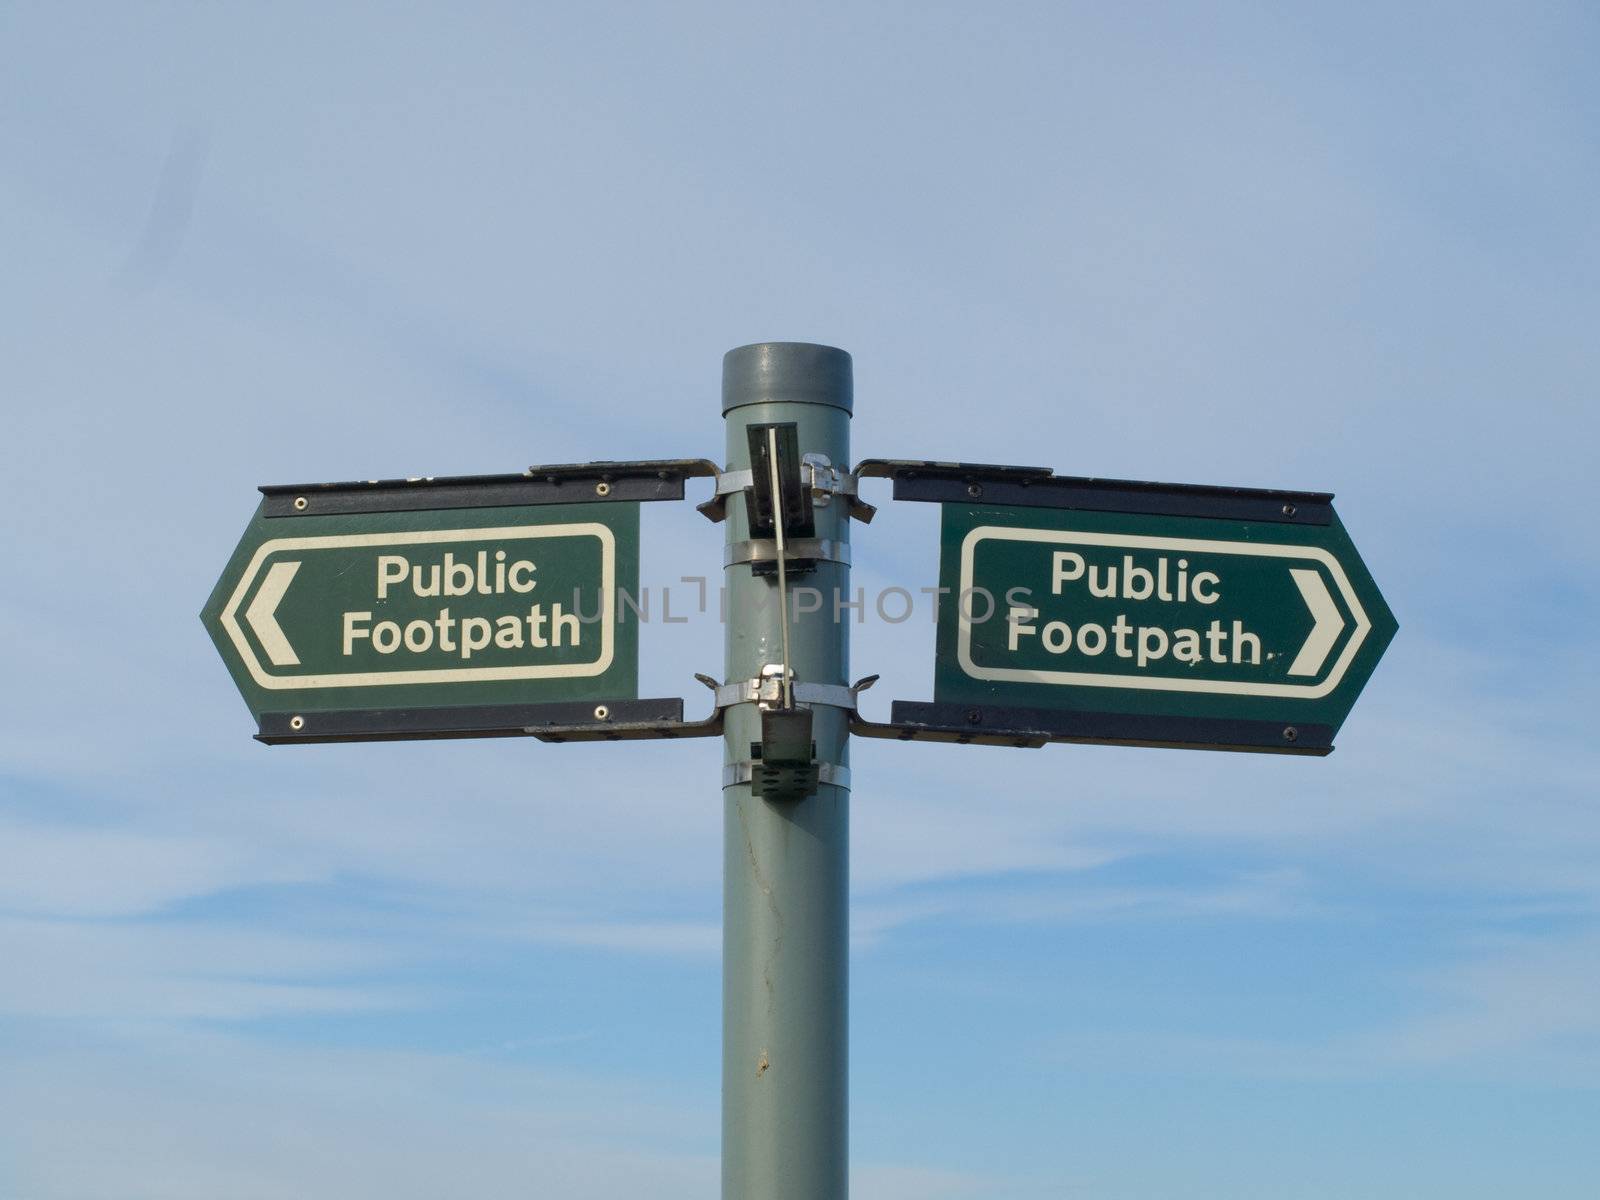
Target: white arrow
{"points": [[1328, 625], [261, 618]]}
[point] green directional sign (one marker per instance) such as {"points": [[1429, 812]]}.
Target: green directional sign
{"points": [[1182, 624], [387, 613]]}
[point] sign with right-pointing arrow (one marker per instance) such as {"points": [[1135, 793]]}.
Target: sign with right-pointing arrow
{"points": [[1102, 611]]}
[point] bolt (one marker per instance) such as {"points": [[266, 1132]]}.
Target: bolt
{"points": [[601, 712], [299, 503], [974, 490], [297, 723], [1290, 733], [974, 716], [1288, 510], [602, 488]]}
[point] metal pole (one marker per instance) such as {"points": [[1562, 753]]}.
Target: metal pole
{"points": [[785, 895]]}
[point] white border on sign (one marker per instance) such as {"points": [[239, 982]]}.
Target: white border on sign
{"points": [[1302, 691], [608, 571]]}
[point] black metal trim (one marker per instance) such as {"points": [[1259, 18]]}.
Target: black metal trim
{"points": [[597, 731], [565, 721], [1128, 496], [915, 720], [1038, 487], [966, 736], [912, 468], [561, 483]]}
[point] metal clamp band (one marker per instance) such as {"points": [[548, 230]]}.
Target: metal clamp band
{"points": [[833, 695], [765, 550], [730, 482], [823, 482], [768, 690], [830, 774]]}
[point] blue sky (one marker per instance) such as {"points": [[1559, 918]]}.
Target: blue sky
{"points": [[1350, 248]]}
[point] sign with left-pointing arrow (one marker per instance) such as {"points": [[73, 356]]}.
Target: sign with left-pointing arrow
{"points": [[352, 599]]}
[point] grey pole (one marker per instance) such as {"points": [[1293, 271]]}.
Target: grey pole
{"points": [[785, 897]]}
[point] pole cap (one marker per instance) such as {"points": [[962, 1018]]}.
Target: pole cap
{"points": [[792, 372]]}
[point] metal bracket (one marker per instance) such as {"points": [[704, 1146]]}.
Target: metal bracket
{"points": [[787, 752], [782, 765], [987, 725], [825, 481], [910, 723], [746, 771], [561, 483], [1040, 487], [767, 691], [915, 468], [623, 731], [563, 721], [901, 730], [818, 476], [802, 554]]}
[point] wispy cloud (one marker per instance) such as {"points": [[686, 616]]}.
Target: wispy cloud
{"points": [[694, 939], [170, 1116], [1528, 1006], [1053, 899], [78, 871], [196, 1116], [1526, 1012], [1348, 249], [121, 971]]}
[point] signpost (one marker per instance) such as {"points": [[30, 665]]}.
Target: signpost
{"points": [[1077, 610], [786, 855]]}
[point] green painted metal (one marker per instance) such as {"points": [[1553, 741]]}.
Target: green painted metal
{"points": [[431, 609], [786, 862], [1154, 615]]}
